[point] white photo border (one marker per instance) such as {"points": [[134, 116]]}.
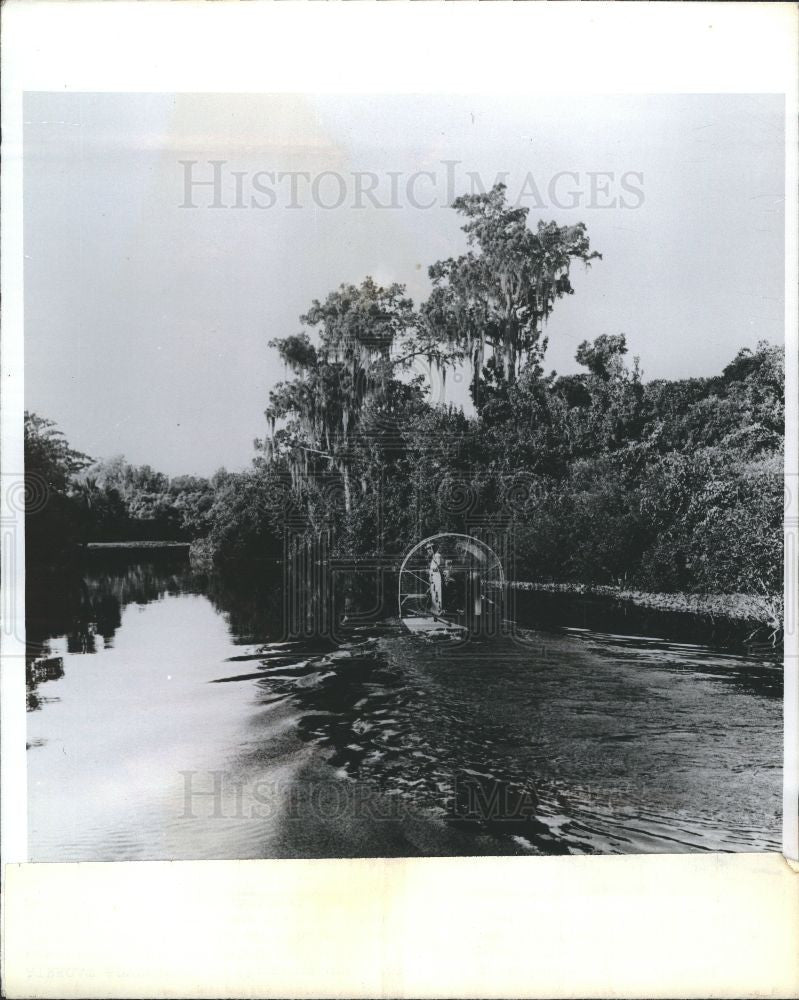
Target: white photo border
{"points": [[436, 47]]}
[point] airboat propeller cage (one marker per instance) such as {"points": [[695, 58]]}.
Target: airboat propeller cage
{"points": [[465, 562]]}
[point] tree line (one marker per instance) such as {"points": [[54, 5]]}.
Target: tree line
{"points": [[597, 477]]}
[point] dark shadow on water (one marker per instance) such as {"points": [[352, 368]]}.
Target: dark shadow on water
{"points": [[556, 611]]}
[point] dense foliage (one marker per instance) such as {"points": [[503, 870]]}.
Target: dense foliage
{"points": [[597, 477], [50, 468]]}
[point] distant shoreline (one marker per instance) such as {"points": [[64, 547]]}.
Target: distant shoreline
{"points": [[752, 608]]}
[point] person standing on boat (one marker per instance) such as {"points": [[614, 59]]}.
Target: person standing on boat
{"points": [[434, 571]]}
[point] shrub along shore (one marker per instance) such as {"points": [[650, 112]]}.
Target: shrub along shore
{"points": [[766, 610]]}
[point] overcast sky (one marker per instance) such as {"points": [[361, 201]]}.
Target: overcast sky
{"points": [[147, 320]]}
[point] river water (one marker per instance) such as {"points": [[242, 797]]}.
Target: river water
{"points": [[170, 717]]}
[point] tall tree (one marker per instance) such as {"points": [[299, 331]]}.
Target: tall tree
{"points": [[346, 373], [51, 514], [496, 297], [48, 456]]}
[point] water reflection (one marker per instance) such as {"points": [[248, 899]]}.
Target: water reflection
{"points": [[573, 739], [84, 601]]}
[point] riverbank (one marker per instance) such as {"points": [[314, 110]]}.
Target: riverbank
{"points": [[749, 608]]}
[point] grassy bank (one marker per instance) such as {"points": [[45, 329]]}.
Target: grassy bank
{"points": [[755, 608]]}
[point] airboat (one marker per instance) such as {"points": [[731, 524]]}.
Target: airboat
{"points": [[451, 583]]}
